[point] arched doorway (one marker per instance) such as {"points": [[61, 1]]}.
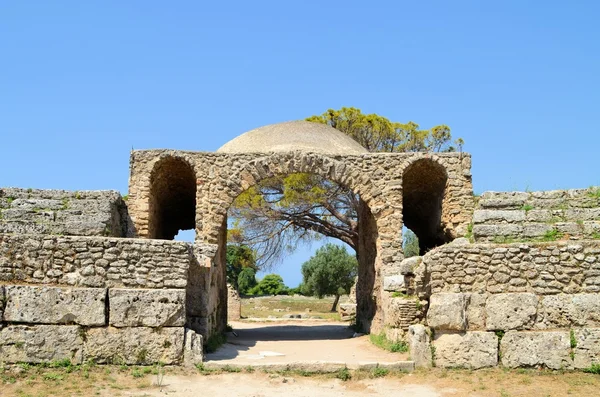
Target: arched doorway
{"points": [[172, 201], [423, 188]]}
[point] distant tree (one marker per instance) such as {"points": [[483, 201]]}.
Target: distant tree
{"points": [[246, 280], [238, 258], [331, 271], [271, 284], [410, 245]]}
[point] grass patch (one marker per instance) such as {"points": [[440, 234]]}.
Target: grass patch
{"points": [[527, 207], [551, 235], [344, 374], [594, 369], [381, 341], [277, 306], [379, 372], [594, 192]]}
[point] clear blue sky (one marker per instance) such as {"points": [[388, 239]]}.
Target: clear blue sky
{"points": [[82, 82]]}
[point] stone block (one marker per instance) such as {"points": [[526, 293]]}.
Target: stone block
{"points": [[347, 311], [510, 311], [409, 265], [549, 349], [55, 305], [498, 216], [193, 350], [587, 349], [40, 343], [476, 311], [466, 350], [394, 283], [137, 345], [234, 304], [447, 311], [566, 311], [146, 307], [419, 343], [402, 312]]}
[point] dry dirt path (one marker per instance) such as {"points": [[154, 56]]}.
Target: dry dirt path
{"points": [[299, 341]]}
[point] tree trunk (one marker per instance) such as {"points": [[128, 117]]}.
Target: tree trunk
{"points": [[335, 302]]}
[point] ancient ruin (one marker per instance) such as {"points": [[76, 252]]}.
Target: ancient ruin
{"points": [[508, 279]]}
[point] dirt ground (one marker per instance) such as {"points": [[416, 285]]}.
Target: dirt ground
{"points": [[118, 381], [299, 341]]}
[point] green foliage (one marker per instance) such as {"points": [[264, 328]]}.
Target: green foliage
{"points": [[246, 280], [469, 234], [596, 236], [527, 207], [232, 369], [551, 235], [594, 369], [271, 284], [398, 294], [379, 372], [379, 134], [344, 374], [381, 341], [573, 341], [238, 258], [410, 244], [331, 271], [594, 192]]}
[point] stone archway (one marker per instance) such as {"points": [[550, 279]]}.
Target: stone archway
{"points": [[172, 199], [423, 189], [279, 164]]}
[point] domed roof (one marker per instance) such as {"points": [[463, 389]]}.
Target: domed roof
{"points": [[294, 135]]}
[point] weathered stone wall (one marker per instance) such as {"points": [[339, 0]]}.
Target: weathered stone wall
{"points": [[520, 304], [108, 299], [376, 177], [542, 268], [94, 261], [234, 304], [529, 216], [60, 212]]}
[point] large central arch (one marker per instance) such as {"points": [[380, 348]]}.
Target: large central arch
{"points": [[284, 164]]}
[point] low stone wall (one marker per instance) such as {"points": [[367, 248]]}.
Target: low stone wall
{"points": [[94, 261], [61, 212], [541, 268], [107, 325], [112, 300], [526, 216], [517, 305]]}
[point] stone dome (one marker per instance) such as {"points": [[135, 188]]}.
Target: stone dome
{"points": [[294, 135]]}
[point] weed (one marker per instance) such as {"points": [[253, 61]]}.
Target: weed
{"points": [[594, 192], [469, 234], [125, 197], [249, 369], [344, 374], [379, 372], [228, 368], [380, 340], [399, 295], [432, 354], [53, 376], [551, 235], [136, 373], [596, 236], [19, 345], [573, 339], [141, 356], [527, 207], [594, 369]]}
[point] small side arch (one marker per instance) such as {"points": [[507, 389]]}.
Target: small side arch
{"points": [[423, 188], [172, 201]]}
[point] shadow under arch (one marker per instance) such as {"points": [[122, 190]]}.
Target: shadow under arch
{"points": [[423, 188], [280, 165], [172, 203]]}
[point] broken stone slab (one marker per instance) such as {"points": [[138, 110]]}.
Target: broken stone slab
{"points": [[136, 345], [476, 312], [41, 343], [508, 216], [447, 311], [55, 305], [473, 349], [146, 307], [347, 311], [193, 352], [510, 311], [394, 283], [419, 343], [566, 311], [549, 349], [587, 347]]}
